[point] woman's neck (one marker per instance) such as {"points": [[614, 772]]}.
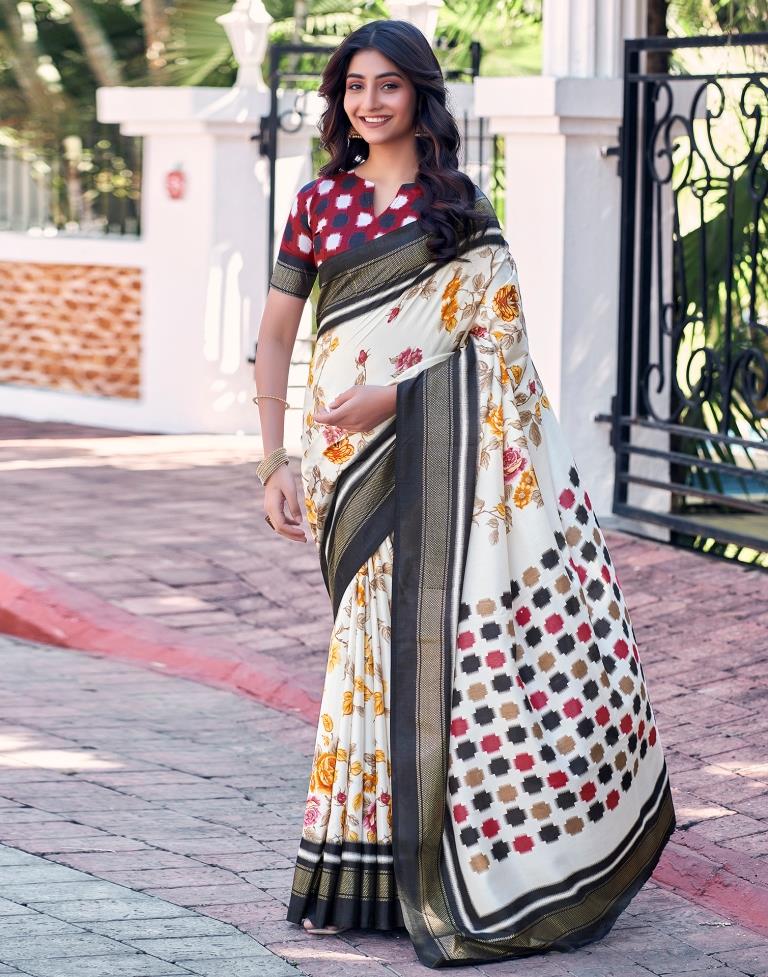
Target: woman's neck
{"points": [[393, 162]]}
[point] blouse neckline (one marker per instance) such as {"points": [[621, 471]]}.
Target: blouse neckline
{"points": [[370, 183]]}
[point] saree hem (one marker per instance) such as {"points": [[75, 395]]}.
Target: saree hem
{"points": [[349, 885]]}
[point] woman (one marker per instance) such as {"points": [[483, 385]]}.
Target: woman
{"points": [[487, 768]]}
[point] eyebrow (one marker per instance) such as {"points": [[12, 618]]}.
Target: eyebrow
{"points": [[384, 74]]}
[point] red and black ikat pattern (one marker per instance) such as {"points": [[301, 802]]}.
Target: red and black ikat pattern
{"points": [[552, 720], [331, 215]]}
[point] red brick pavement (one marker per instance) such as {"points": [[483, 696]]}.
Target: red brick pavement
{"points": [[167, 532], [193, 798]]}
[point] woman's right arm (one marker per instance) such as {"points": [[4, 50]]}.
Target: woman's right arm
{"points": [[274, 348]]}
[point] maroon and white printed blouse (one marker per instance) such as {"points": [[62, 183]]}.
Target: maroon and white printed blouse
{"points": [[330, 215]]}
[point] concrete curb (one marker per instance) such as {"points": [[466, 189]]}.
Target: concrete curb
{"points": [[39, 606]]}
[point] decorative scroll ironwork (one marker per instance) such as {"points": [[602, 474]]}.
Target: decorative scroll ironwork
{"points": [[690, 416]]}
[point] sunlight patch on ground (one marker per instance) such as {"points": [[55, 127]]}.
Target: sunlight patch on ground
{"points": [[19, 751]]}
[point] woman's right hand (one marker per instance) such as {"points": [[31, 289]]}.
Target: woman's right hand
{"points": [[281, 488]]}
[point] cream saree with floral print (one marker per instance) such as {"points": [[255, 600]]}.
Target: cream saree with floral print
{"points": [[488, 770]]}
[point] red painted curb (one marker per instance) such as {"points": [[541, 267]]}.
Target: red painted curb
{"points": [[726, 882], [39, 606]]}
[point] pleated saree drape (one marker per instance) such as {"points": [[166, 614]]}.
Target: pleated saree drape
{"points": [[487, 770]]}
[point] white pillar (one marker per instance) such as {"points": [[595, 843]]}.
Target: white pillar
{"points": [[203, 224], [562, 212]]}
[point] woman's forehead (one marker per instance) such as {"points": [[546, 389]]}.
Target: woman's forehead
{"points": [[371, 63]]}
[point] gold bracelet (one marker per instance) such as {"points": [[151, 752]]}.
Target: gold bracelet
{"points": [[274, 460], [271, 397]]}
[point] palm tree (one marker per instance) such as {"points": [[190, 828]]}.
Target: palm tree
{"points": [[97, 46]]}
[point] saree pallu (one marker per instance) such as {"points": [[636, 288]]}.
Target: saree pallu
{"points": [[488, 770]]}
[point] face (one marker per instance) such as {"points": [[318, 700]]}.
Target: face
{"points": [[379, 100]]}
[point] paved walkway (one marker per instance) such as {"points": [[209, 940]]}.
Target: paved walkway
{"points": [[153, 548], [176, 810]]}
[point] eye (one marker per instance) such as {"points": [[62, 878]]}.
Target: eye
{"points": [[353, 86], [390, 84]]}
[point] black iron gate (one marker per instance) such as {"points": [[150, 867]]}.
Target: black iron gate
{"points": [[690, 415]]}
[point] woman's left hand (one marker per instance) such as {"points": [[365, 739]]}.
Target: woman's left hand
{"points": [[360, 408]]}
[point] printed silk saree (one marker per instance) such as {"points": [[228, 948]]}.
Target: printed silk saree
{"points": [[487, 770]]}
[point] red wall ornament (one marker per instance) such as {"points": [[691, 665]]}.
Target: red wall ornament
{"points": [[176, 183]]}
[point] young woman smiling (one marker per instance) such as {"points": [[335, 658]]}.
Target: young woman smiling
{"points": [[487, 769]]}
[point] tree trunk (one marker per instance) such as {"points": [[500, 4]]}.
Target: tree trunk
{"points": [[96, 45], [658, 61], [23, 54]]}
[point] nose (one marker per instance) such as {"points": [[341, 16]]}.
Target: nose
{"points": [[370, 102]]}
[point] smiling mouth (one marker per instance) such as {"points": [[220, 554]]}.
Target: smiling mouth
{"points": [[375, 120]]}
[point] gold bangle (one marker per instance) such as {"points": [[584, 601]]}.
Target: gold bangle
{"points": [[271, 397], [274, 460]]}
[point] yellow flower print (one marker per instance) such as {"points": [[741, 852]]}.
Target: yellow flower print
{"points": [[545, 401], [504, 372], [334, 656], [334, 344], [501, 509], [524, 490], [311, 508], [378, 703], [449, 305], [327, 722], [517, 373], [346, 704], [537, 410], [506, 303], [360, 594], [322, 773], [339, 452], [496, 420]]}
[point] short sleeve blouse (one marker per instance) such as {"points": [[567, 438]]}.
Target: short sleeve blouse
{"points": [[331, 215]]}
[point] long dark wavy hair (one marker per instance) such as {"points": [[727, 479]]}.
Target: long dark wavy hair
{"points": [[448, 210]]}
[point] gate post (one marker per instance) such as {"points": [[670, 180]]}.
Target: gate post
{"points": [[563, 200]]}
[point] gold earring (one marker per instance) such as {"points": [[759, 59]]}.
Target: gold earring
{"points": [[353, 133]]}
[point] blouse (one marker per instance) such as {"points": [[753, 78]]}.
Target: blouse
{"points": [[330, 215]]}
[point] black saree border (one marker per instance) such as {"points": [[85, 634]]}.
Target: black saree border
{"points": [[435, 470], [583, 882], [348, 884], [361, 513]]}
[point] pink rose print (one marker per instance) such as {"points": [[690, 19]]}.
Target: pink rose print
{"points": [[312, 811], [407, 358], [383, 798], [332, 434], [393, 313], [480, 331], [514, 463], [532, 386], [362, 356], [341, 797], [369, 818]]}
